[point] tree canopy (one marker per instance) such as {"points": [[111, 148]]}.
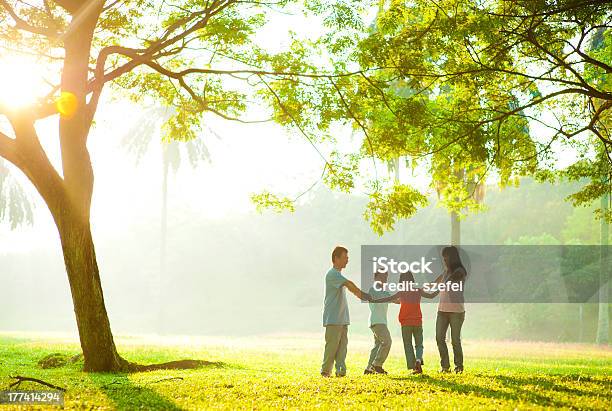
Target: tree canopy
{"points": [[469, 89], [463, 89]]}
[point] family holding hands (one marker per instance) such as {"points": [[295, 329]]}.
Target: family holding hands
{"points": [[451, 312]]}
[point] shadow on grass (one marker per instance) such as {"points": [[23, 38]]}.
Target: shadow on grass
{"points": [[127, 395], [548, 383], [518, 388]]}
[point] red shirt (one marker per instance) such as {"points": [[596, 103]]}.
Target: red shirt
{"points": [[410, 308]]}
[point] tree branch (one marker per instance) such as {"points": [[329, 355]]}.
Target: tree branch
{"points": [[296, 123], [532, 39], [593, 61], [21, 379], [24, 25], [569, 7], [8, 150], [71, 6], [361, 126], [112, 4]]}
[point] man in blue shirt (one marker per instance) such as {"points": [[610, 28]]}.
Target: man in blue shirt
{"points": [[336, 314]]}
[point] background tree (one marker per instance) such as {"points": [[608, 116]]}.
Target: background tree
{"points": [[476, 77], [15, 207], [137, 141]]}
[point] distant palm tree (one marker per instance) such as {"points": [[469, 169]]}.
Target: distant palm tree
{"points": [[137, 142], [15, 206]]}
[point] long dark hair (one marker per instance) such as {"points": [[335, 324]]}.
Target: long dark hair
{"points": [[452, 259], [406, 277]]}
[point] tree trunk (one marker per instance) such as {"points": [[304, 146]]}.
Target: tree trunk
{"points": [[401, 226], [70, 212], [455, 222], [603, 317], [99, 351], [455, 229], [455, 235], [580, 322], [455, 240]]}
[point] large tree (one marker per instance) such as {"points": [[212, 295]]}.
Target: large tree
{"points": [[196, 56]]}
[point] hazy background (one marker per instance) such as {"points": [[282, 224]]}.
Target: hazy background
{"points": [[232, 271]]}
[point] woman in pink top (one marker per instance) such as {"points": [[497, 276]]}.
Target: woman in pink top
{"points": [[451, 311]]}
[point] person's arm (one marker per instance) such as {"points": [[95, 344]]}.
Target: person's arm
{"points": [[429, 295], [355, 290], [392, 298]]}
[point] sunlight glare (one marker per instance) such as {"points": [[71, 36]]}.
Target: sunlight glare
{"points": [[21, 82]]}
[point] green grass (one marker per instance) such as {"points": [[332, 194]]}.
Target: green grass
{"points": [[282, 372]]}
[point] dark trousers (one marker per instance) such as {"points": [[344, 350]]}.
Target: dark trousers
{"points": [[455, 320]]}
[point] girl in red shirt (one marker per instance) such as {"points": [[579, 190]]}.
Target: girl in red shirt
{"points": [[411, 320]]}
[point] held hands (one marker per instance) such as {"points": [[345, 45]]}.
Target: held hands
{"points": [[366, 297]]}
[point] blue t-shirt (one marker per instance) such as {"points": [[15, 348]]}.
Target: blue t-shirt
{"points": [[335, 310], [378, 311]]}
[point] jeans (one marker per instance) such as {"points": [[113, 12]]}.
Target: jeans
{"points": [[455, 320], [382, 345], [408, 332], [336, 341]]}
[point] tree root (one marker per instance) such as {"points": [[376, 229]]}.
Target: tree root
{"points": [[173, 365], [122, 365]]}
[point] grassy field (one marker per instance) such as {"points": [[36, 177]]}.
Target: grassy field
{"points": [[282, 372]]}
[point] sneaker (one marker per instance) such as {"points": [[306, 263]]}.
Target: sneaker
{"points": [[445, 370], [379, 370], [340, 375], [459, 370], [368, 370], [325, 375], [417, 368]]}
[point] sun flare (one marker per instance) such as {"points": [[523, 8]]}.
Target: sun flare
{"points": [[21, 81]]}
